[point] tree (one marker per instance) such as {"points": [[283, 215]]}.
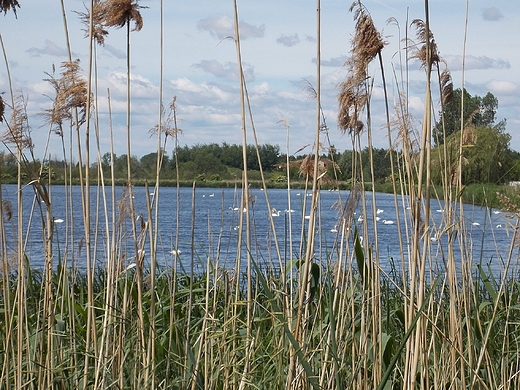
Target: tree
{"points": [[486, 156], [478, 111]]}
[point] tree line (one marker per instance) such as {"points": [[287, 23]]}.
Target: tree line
{"points": [[481, 149]]}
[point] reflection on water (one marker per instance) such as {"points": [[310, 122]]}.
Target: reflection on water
{"points": [[215, 226]]}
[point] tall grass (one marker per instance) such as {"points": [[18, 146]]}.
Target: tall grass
{"points": [[331, 318]]}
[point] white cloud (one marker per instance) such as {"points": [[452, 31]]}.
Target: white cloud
{"points": [[415, 104], [262, 88], [223, 27], [503, 87], [227, 71], [115, 52], [336, 62], [474, 62], [190, 92], [492, 14], [288, 40], [50, 49], [141, 87]]}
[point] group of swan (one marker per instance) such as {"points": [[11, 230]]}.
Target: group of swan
{"points": [[276, 213]]}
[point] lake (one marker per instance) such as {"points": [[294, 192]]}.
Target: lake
{"points": [[216, 218]]}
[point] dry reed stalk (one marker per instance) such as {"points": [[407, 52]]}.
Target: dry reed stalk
{"points": [[245, 187]]}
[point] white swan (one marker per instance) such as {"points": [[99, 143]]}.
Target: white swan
{"points": [[379, 211], [388, 222], [476, 224], [275, 213]]}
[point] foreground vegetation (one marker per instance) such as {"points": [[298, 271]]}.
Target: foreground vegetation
{"points": [[323, 319], [181, 332]]}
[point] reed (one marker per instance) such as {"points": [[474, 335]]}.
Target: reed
{"points": [[143, 315]]}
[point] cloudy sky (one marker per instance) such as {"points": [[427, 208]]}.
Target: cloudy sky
{"points": [[279, 59]]}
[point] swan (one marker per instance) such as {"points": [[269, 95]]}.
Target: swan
{"points": [[175, 252], [275, 213], [476, 224], [388, 222], [289, 210], [360, 218], [499, 226], [58, 220], [334, 229], [211, 195], [379, 211]]}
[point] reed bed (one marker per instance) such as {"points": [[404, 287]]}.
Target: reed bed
{"points": [[325, 319]]}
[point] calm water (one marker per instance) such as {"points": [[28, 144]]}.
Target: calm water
{"points": [[217, 215]]}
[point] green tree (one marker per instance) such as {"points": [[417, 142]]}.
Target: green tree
{"points": [[478, 111], [486, 156]]}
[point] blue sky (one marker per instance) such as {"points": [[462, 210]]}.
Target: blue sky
{"points": [[279, 58]]}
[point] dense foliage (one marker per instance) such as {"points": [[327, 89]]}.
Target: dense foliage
{"points": [[477, 111]]}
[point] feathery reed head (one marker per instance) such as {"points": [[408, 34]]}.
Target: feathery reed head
{"points": [[352, 98], [99, 31], [446, 87], [6, 5], [367, 41], [117, 13], [366, 44], [2, 109], [71, 93], [7, 209], [419, 50], [18, 131], [169, 125]]}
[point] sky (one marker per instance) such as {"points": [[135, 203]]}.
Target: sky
{"points": [[279, 52]]}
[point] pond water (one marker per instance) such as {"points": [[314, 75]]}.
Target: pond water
{"points": [[214, 214]]}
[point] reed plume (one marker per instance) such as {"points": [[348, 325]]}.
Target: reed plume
{"points": [[353, 92], [71, 93], [2, 109], [168, 127], [18, 132], [419, 50], [446, 84], [99, 31], [7, 209], [117, 13], [6, 5]]}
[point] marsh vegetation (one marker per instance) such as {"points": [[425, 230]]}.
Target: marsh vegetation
{"points": [[334, 322]]}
